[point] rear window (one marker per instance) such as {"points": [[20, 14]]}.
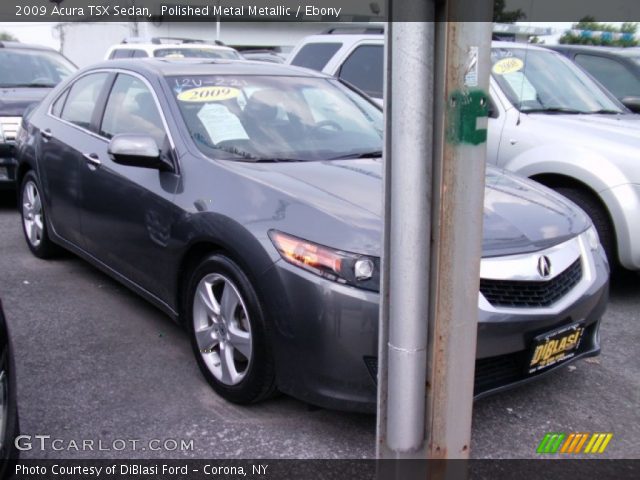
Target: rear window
{"points": [[315, 55]]}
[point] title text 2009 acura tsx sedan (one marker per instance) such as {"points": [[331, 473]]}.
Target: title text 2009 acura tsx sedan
{"points": [[244, 200]]}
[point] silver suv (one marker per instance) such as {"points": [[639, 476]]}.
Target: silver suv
{"points": [[549, 121]]}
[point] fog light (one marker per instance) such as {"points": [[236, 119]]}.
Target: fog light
{"points": [[4, 173], [363, 269], [592, 238]]}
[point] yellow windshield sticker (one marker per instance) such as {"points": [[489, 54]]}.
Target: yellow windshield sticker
{"points": [[507, 65], [208, 94]]}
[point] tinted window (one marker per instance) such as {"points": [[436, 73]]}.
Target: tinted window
{"points": [[364, 69], [131, 108], [315, 55], [56, 109], [611, 73], [32, 68], [82, 99], [122, 53], [139, 54]]}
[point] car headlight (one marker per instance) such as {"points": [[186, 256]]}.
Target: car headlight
{"points": [[343, 267], [593, 240]]}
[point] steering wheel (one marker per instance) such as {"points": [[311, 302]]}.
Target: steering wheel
{"points": [[327, 124]]}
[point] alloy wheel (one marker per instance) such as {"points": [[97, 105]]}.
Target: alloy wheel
{"points": [[32, 213], [222, 329]]}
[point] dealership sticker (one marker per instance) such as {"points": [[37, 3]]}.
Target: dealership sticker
{"points": [[507, 65], [208, 94]]}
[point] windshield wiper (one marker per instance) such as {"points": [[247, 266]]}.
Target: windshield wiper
{"points": [[571, 111], [277, 160], [604, 111], [371, 154], [28, 85]]}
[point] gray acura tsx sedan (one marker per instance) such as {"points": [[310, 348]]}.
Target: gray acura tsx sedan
{"points": [[244, 200]]}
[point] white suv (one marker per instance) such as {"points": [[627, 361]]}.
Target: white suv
{"points": [[549, 121], [170, 47]]}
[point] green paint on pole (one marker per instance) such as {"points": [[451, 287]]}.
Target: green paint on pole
{"points": [[464, 108]]}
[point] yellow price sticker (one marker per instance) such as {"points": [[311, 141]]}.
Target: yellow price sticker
{"points": [[507, 65], [208, 94]]}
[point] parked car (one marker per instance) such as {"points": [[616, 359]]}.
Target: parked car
{"points": [[244, 200], [170, 47], [579, 140], [27, 74], [618, 69], [9, 425]]}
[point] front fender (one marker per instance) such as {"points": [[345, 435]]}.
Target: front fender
{"points": [[586, 166]]}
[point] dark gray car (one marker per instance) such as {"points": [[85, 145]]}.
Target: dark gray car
{"points": [[244, 200], [27, 74]]}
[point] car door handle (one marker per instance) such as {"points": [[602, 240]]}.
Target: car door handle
{"points": [[92, 159], [46, 134]]}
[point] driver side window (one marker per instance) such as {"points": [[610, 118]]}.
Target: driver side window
{"points": [[131, 108]]}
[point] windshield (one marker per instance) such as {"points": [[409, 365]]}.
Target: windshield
{"points": [[194, 52], [32, 68], [273, 118], [543, 81]]}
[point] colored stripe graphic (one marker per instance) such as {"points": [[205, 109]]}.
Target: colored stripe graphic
{"points": [[573, 443], [551, 442]]}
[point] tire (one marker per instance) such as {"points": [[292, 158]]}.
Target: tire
{"points": [[34, 225], [228, 333], [9, 454], [600, 218]]}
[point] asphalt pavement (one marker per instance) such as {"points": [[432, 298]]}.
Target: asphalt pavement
{"points": [[97, 364]]}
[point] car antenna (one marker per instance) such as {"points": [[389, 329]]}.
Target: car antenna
{"points": [[524, 69]]}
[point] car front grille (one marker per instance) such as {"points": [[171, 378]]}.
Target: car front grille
{"points": [[515, 293], [10, 127]]}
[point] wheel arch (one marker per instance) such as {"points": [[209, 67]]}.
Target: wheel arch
{"points": [[249, 254]]}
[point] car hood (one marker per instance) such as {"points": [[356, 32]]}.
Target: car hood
{"points": [[520, 216], [595, 129], [14, 101]]}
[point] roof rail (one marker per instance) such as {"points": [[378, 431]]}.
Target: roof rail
{"points": [[354, 30], [169, 40], [160, 40]]}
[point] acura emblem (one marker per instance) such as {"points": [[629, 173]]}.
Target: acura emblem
{"points": [[544, 266]]}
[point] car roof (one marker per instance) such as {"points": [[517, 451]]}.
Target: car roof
{"points": [[167, 67], [159, 46]]}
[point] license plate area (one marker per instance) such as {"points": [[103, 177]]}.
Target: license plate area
{"points": [[554, 347]]}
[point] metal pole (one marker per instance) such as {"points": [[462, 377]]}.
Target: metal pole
{"points": [[461, 86], [408, 195], [435, 104]]}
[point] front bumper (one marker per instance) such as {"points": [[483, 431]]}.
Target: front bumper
{"points": [[623, 203], [325, 336]]}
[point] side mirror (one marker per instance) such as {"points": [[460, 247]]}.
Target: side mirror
{"points": [[632, 103], [137, 151]]}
